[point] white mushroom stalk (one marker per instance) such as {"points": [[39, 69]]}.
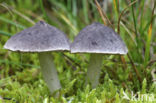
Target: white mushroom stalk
{"points": [[49, 71], [94, 69]]}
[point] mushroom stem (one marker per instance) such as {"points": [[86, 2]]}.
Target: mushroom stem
{"points": [[49, 71], [94, 68]]}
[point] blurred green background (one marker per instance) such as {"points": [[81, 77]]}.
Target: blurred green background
{"points": [[20, 77]]}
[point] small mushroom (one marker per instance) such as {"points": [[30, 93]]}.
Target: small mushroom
{"points": [[42, 39], [97, 39]]}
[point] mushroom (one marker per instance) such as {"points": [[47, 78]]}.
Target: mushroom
{"points": [[42, 39], [97, 39]]}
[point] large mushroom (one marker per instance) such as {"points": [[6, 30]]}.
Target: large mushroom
{"points": [[97, 39], [42, 39]]}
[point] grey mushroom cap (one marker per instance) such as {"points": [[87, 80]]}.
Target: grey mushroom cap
{"points": [[41, 37], [97, 38]]}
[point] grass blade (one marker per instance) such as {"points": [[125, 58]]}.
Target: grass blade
{"points": [[123, 11], [148, 42], [85, 10], [12, 23], [134, 20], [5, 33], [19, 64]]}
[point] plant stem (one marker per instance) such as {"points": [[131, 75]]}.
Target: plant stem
{"points": [[49, 71], [94, 68]]}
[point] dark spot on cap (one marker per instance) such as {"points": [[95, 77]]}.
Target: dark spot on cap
{"points": [[111, 40], [42, 22], [29, 33], [94, 43], [36, 31]]}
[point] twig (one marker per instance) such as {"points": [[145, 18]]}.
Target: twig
{"points": [[124, 62], [123, 13], [135, 69], [69, 58], [122, 58], [102, 14]]}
